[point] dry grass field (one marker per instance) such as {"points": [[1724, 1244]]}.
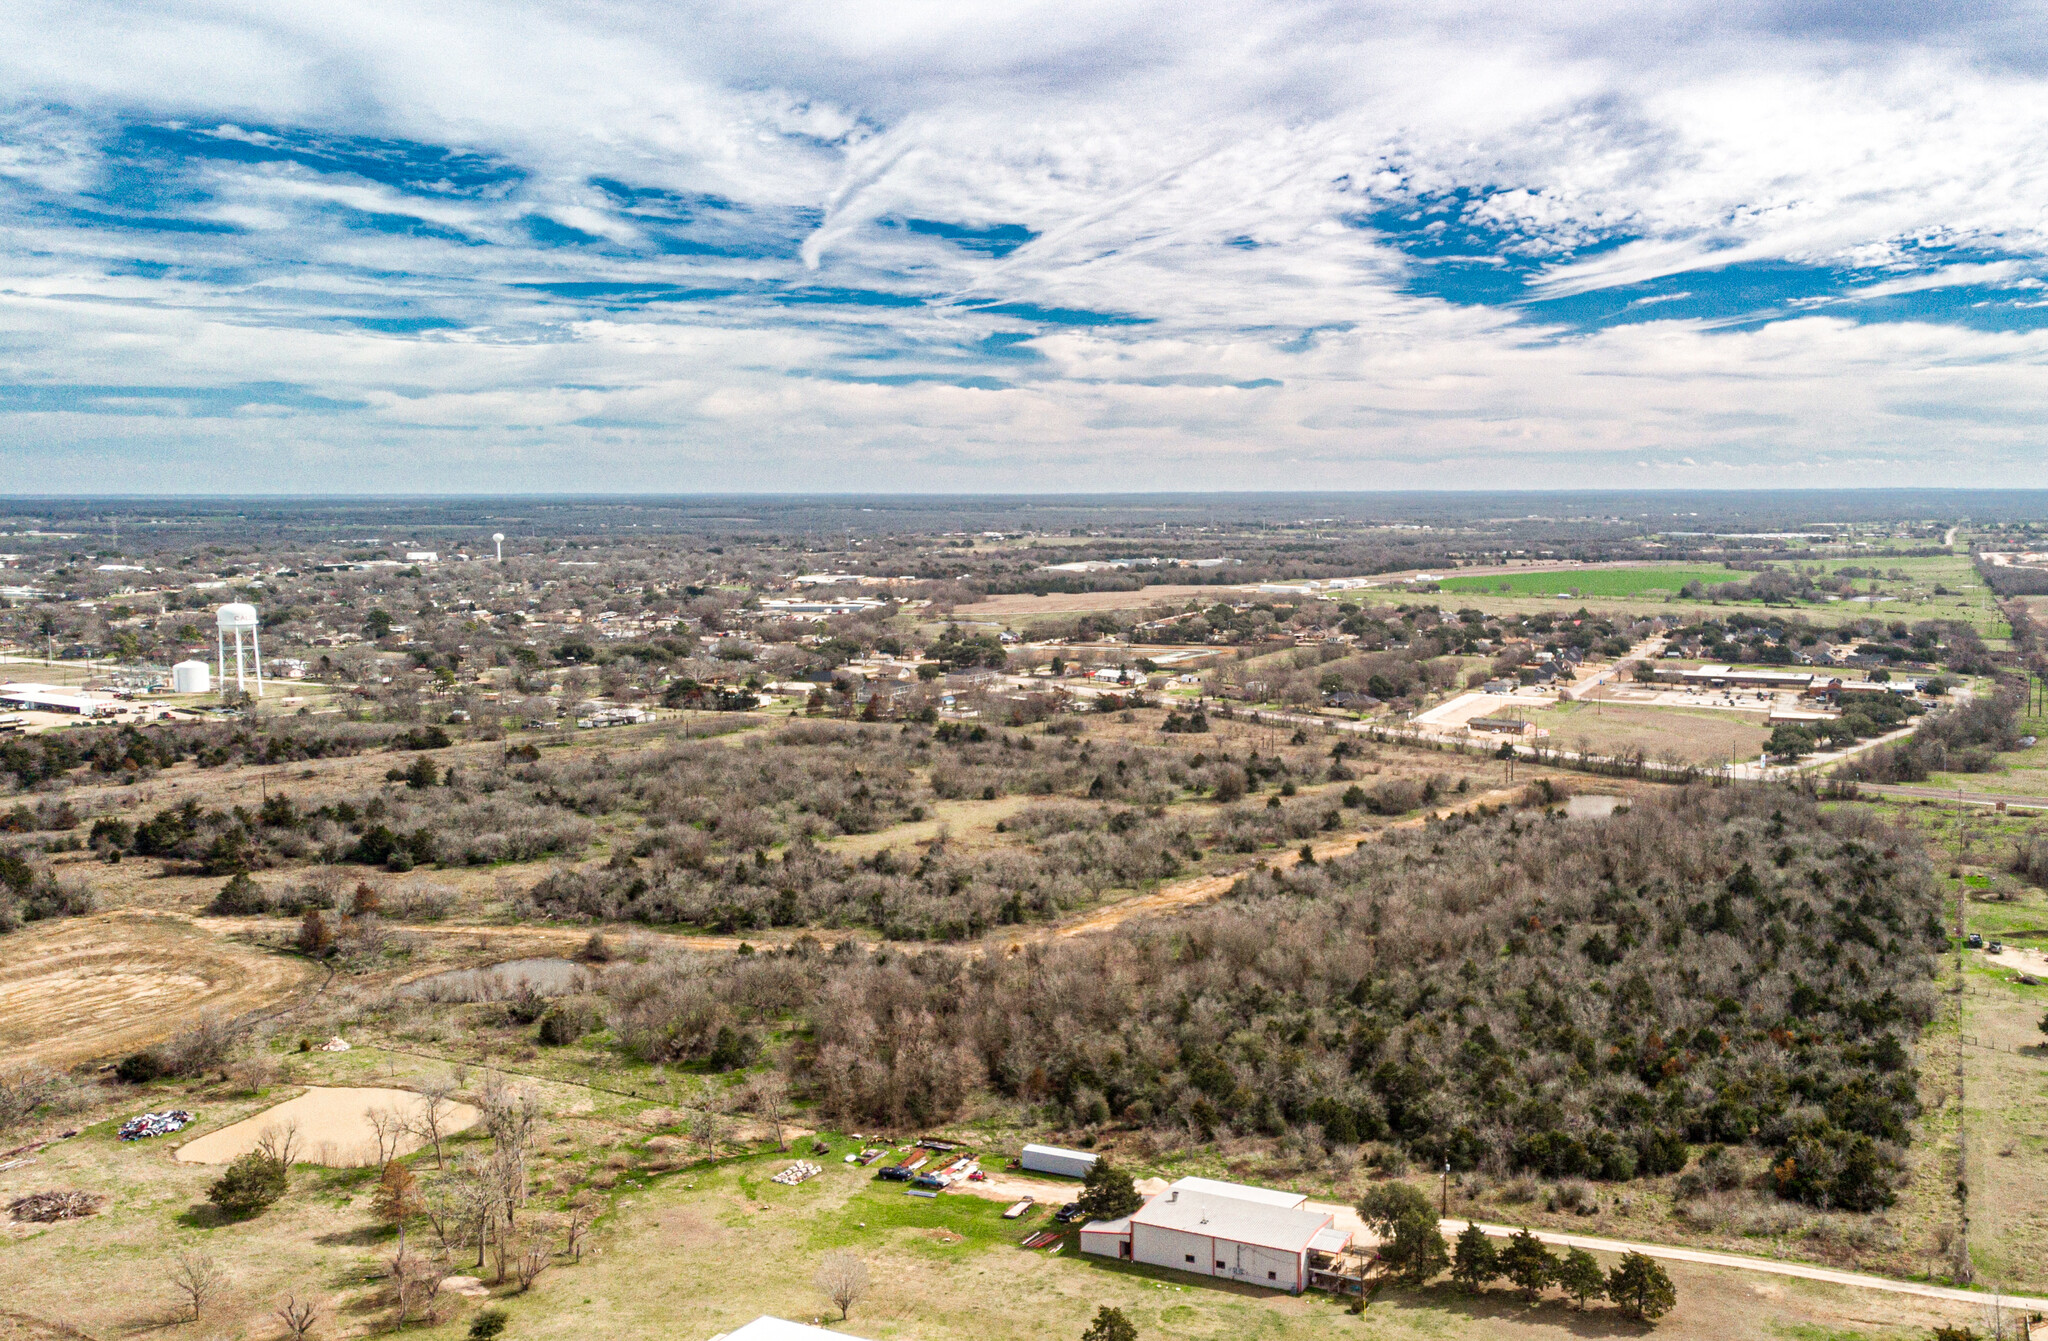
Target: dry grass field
{"points": [[113, 982], [1698, 736]]}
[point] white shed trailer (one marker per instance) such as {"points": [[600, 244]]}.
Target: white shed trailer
{"points": [[1053, 1159]]}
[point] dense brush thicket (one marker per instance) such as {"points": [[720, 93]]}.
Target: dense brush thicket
{"points": [[1513, 992], [1065, 855], [1966, 738]]}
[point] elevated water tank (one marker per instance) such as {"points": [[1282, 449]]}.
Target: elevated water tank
{"points": [[237, 615], [190, 677]]}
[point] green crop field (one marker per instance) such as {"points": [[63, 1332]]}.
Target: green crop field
{"points": [[1597, 581]]}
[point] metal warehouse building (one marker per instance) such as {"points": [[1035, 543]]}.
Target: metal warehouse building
{"points": [[1249, 1234]]}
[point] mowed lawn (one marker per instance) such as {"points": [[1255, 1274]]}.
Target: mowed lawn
{"points": [[1597, 581]]}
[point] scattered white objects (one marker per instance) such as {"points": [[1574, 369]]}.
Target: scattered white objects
{"points": [[155, 1124]]}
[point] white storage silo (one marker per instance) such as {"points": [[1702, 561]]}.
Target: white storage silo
{"points": [[190, 677]]}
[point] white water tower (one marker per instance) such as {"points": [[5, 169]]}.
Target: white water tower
{"points": [[498, 539], [236, 617]]}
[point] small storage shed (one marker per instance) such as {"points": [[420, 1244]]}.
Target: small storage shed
{"points": [[1054, 1159]]}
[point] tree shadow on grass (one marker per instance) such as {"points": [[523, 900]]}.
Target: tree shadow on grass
{"points": [[361, 1236], [1503, 1310], [204, 1215]]}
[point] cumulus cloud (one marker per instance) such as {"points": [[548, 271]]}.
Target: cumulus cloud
{"points": [[846, 246]]}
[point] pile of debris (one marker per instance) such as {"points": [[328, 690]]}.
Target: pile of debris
{"points": [[155, 1124], [796, 1173], [46, 1207]]}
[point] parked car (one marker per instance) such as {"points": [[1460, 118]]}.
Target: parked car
{"points": [[1975, 941], [1996, 948]]}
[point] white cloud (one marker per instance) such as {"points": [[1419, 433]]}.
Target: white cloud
{"points": [[1198, 168]]}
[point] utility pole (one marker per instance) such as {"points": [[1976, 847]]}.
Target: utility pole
{"points": [[1447, 1188]]}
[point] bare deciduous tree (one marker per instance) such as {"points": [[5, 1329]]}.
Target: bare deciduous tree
{"points": [[843, 1278], [280, 1142], [416, 1283], [195, 1275], [532, 1252], [388, 1126], [768, 1096], [577, 1224], [430, 1120], [297, 1316]]}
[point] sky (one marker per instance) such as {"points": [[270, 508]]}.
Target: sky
{"points": [[427, 247]]}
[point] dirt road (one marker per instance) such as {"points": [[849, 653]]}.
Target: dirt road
{"points": [[1179, 895], [1967, 797], [1737, 1262], [109, 983]]}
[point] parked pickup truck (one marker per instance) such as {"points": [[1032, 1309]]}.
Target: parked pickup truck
{"points": [[896, 1173], [1995, 948], [1975, 941]]}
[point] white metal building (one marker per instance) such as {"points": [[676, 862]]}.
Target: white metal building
{"points": [[765, 1328], [1251, 1234], [1054, 1159], [53, 698]]}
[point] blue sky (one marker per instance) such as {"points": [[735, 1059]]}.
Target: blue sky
{"points": [[434, 247]]}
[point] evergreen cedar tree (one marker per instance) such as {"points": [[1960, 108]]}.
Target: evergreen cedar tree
{"points": [[1110, 1325], [1473, 1260], [1579, 1276], [251, 1183], [487, 1324], [1108, 1193], [1527, 1263], [1640, 1286], [1405, 1221]]}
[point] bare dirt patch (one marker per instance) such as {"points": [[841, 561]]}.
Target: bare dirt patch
{"points": [[115, 982], [334, 1127]]}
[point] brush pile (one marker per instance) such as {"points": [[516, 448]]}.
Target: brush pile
{"points": [[47, 1207]]}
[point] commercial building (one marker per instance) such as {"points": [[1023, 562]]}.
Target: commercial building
{"points": [[1727, 677], [52, 698], [1227, 1230]]}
